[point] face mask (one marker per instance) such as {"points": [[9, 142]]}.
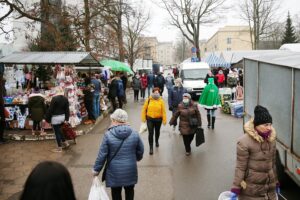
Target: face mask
{"points": [[186, 101], [177, 84], [155, 96], [264, 135]]}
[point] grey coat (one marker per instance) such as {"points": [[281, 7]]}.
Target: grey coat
{"points": [[122, 170], [136, 84]]}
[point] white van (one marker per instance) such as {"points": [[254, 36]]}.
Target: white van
{"points": [[193, 75]]}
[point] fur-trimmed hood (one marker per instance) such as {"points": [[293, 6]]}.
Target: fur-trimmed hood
{"points": [[250, 130]]}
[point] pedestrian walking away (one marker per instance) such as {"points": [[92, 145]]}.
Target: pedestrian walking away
{"points": [[169, 80], [189, 120], [150, 78], [57, 114], [175, 97], [114, 92], [154, 113], [255, 172], [48, 180], [37, 111], [144, 84], [159, 82], [121, 148], [124, 80], [210, 100], [96, 95], [136, 86], [88, 103]]}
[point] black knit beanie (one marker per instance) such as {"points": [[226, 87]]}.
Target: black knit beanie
{"points": [[261, 116]]}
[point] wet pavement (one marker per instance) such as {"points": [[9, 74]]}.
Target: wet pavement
{"points": [[166, 175]]}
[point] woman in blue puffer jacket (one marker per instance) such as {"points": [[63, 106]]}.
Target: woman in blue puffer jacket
{"points": [[122, 147]]}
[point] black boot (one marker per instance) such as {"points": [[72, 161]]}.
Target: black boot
{"points": [[156, 144], [151, 150], [208, 121], [213, 122]]}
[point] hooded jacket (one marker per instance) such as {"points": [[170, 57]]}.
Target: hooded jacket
{"points": [[122, 170], [255, 171], [37, 107], [210, 97]]}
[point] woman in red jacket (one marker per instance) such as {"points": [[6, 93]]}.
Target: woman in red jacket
{"points": [[221, 78], [144, 84]]}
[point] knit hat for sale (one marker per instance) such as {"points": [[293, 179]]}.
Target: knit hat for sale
{"points": [[261, 116]]}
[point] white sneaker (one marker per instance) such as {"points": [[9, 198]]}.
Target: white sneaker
{"points": [[58, 150]]}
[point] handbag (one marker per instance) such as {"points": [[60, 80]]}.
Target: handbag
{"points": [[200, 139], [108, 161]]}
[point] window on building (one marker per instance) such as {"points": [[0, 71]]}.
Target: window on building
{"points": [[228, 40], [228, 49], [215, 46]]}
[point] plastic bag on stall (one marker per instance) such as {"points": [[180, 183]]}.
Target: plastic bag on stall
{"points": [[98, 191], [143, 128]]}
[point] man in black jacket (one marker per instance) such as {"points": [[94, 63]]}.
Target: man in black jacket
{"points": [[159, 81]]}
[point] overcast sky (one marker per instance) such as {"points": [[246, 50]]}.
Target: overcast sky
{"points": [[163, 32]]}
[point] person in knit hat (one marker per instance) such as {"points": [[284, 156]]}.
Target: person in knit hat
{"points": [[121, 148], [255, 173]]}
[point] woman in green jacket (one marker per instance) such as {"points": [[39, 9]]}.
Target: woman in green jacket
{"points": [[210, 100]]}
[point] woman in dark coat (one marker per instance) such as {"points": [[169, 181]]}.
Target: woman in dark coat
{"points": [[57, 114], [37, 110], [123, 147], [187, 109], [136, 86]]}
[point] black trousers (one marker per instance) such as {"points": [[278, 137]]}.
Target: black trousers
{"points": [[114, 102], [2, 127], [187, 140], [116, 193], [153, 125], [161, 90], [90, 109], [136, 94], [36, 125], [143, 92]]}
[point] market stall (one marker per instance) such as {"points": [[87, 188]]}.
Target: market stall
{"points": [[25, 71]]}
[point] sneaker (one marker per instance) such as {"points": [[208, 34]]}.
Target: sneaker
{"points": [[187, 153], [65, 145]]}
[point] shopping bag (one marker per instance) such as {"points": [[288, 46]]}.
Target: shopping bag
{"points": [[226, 196], [143, 128], [199, 136], [68, 131], [97, 191]]}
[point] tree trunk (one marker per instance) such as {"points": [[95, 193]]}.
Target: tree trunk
{"points": [[87, 20], [120, 39]]}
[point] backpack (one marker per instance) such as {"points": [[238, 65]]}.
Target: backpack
{"points": [[160, 80], [120, 90]]}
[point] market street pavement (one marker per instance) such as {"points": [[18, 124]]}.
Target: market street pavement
{"points": [[167, 175]]}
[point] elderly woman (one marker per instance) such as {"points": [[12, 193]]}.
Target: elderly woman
{"points": [[154, 113], [121, 148], [187, 112], [255, 172]]}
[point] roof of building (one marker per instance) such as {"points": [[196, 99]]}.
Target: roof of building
{"points": [[62, 57], [281, 57], [291, 47]]}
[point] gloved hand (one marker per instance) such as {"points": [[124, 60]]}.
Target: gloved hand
{"points": [[235, 193], [277, 188], [95, 173]]}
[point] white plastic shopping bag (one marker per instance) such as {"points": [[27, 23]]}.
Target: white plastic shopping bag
{"points": [[98, 191], [225, 195], [143, 128]]}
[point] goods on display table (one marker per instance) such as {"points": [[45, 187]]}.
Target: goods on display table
{"points": [[19, 83], [229, 106]]}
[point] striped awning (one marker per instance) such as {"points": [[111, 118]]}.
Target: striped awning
{"points": [[214, 61]]}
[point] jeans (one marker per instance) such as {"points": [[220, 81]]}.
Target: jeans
{"points": [[149, 90], [187, 140], [58, 134], [96, 104], [116, 193], [36, 125], [153, 125], [211, 112]]}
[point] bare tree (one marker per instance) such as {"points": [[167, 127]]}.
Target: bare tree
{"points": [[188, 15], [136, 22], [260, 16], [181, 49], [296, 20]]}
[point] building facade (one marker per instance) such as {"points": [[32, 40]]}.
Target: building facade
{"points": [[229, 38], [148, 48], [165, 53]]}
